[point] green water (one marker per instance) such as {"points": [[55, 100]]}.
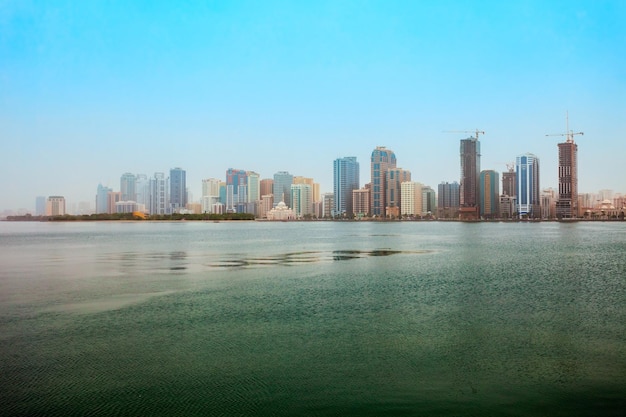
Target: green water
{"points": [[315, 319]]}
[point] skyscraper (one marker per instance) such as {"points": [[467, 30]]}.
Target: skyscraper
{"points": [[128, 187], [567, 203], [254, 187], [282, 188], [470, 171], [411, 203], [178, 189], [394, 177], [448, 200], [142, 192], [102, 200], [302, 200], [508, 182], [158, 194], [382, 159], [266, 186], [361, 202], [429, 201], [236, 189], [345, 180], [527, 185], [210, 194], [489, 194]]}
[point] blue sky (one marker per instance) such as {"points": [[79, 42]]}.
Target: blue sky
{"points": [[92, 89]]}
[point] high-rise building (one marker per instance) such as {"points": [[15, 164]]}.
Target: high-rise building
{"points": [[489, 194], [382, 159], [508, 183], [470, 171], [527, 186], [266, 186], [345, 180], [394, 177], [158, 194], [254, 187], [40, 205], [282, 188], [411, 202], [328, 202], [548, 203], [448, 200], [236, 189], [267, 203], [102, 199], [55, 206], [361, 202], [567, 203], [113, 198], [142, 189], [128, 187], [178, 189], [210, 194], [429, 201], [301, 200]]}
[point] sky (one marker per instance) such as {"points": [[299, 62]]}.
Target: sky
{"points": [[90, 90]]}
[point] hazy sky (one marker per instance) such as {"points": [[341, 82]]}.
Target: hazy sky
{"points": [[92, 89]]}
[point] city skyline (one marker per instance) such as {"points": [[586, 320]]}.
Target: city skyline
{"points": [[93, 90]]}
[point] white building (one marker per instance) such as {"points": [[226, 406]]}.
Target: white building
{"points": [[281, 212], [302, 199], [55, 206], [411, 202]]}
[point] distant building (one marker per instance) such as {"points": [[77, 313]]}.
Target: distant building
{"points": [[429, 201], [470, 171], [282, 188], [142, 191], [394, 177], [127, 206], [281, 212], [328, 201], [508, 206], [210, 194], [411, 203], [527, 186], [489, 194], [345, 180], [40, 206], [254, 187], [267, 186], [112, 199], [508, 183], [548, 203], [158, 194], [55, 206], [236, 189], [301, 198], [448, 200], [267, 203], [178, 189], [567, 202], [382, 160], [102, 199], [361, 202], [128, 187]]}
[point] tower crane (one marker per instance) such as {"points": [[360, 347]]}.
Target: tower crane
{"points": [[568, 133], [476, 132]]}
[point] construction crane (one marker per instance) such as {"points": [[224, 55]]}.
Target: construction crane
{"points": [[568, 133], [476, 132]]}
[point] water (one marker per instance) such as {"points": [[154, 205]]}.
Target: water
{"points": [[314, 319]]}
